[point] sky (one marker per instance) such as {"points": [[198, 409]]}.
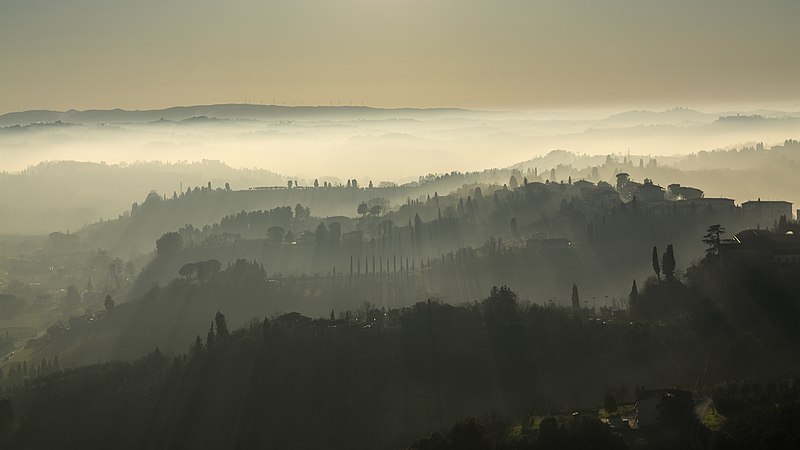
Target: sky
{"points": [[534, 54]]}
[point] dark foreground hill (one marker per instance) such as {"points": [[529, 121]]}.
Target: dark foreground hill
{"points": [[375, 378]]}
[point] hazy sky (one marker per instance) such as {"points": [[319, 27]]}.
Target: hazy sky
{"points": [[81, 54]]}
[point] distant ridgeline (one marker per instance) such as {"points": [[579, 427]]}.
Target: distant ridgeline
{"points": [[203, 206], [598, 224], [63, 195]]}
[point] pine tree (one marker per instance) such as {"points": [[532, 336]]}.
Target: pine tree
{"points": [[712, 239]]}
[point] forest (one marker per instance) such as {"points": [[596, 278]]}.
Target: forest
{"points": [[379, 377]]}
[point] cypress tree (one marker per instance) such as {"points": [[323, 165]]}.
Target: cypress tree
{"points": [[576, 300], [222, 326], [210, 338], [656, 266], [198, 344], [668, 263]]}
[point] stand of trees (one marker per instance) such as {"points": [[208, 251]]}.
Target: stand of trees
{"points": [[383, 377]]}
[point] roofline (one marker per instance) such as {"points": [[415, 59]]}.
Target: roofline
{"points": [[767, 201]]}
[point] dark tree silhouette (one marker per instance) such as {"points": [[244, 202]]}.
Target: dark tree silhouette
{"points": [[210, 337], [222, 326], [712, 238], [634, 303], [656, 266], [363, 209], [206, 269], [301, 213], [275, 234], [513, 183], [188, 270], [169, 244], [668, 263], [108, 304], [469, 434], [198, 345], [576, 300]]}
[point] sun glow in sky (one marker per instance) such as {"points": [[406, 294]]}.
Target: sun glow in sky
{"points": [[469, 53]]}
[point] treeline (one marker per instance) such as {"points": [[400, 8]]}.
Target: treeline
{"points": [[137, 230], [21, 373], [758, 415], [249, 225], [494, 432], [382, 377], [748, 307], [371, 379], [598, 234], [744, 157]]}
